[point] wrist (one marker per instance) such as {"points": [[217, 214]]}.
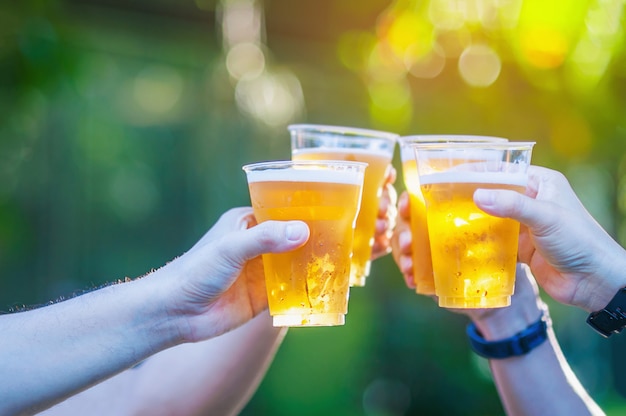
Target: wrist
{"points": [[612, 318], [145, 303], [173, 323], [518, 344], [602, 286], [506, 322]]}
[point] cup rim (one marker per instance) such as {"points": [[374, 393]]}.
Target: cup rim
{"points": [[449, 138], [508, 145], [357, 132], [285, 164]]}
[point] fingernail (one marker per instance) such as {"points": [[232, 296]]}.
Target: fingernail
{"points": [[381, 226], [406, 264], [405, 238], [244, 224], [296, 231]]}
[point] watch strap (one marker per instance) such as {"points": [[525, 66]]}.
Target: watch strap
{"points": [[519, 344], [612, 319]]}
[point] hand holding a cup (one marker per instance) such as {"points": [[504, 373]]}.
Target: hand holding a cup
{"points": [[473, 253], [521, 381], [309, 286], [387, 217], [401, 240], [218, 284], [572, 257]]}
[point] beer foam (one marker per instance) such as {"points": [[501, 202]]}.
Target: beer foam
{"points": [[348, 177], [408, 148], [327, 130], [495, 178], [377, 152], [461, 154]]}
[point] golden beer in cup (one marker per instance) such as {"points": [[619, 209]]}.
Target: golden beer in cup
{"points": [[420, 243], [309, 286], [318, 142], [473, 254]]}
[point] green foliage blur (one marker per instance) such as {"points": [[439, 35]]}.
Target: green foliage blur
{"points": [[124, 126]]}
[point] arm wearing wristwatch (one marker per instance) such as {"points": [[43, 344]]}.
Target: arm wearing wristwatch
{"points": [[539, 382]]}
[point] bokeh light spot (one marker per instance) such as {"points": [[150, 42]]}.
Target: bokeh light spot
{"points": [[454, 42], [427, 66], [410, 31], [241, 22], [273, 99], [354, 48], [590, 59], [245, 60], [389, 95], [544, 47], [391, 106], [447, 15], [383, 65], [157, 89], [479, 65], [509, 13]]}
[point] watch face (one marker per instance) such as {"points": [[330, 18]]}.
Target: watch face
{"points": [[611, 319], [599, 322]]}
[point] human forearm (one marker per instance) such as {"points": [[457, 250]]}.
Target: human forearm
{"points": [[55, 351], [214, 377], [255, 352], [540, 381], [216, 286], [217, 376]]}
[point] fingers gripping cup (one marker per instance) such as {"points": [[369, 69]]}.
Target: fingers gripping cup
{"points": [[318, 142], [473, 254], [422, 263], [309, 286]]}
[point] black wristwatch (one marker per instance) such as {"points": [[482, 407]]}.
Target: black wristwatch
{"points": [[612, 319]]}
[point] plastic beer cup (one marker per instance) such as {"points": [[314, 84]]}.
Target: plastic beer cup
{"points": [[422, 263], [318, 142], [309, 286], [473, 254]]}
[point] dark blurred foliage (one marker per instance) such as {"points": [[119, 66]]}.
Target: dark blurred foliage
{"points": [[123, 129]]}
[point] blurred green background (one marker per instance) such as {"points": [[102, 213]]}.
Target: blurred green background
{"points": [[124, 126]]}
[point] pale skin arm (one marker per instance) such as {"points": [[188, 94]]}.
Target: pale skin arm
{"points": [[56, 351], [540, 382], [218, 376], [215, 377]]}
